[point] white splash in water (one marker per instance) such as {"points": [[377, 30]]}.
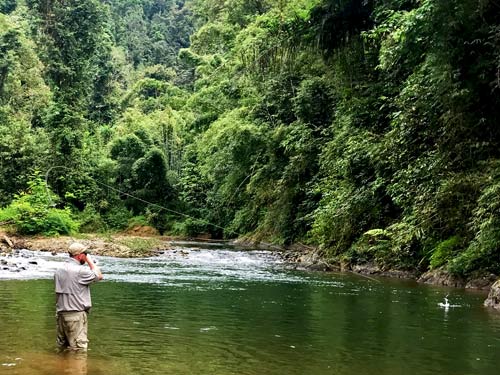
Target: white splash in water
{"points": [[178, 267], [446, 305], [171, 327], [25, 264], [206, 329]]}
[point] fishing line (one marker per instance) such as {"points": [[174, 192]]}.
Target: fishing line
{"points": [[365, 276], [160, 206], [246, 178], [51, 203]]}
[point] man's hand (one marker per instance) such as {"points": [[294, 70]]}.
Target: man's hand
{"points": [[93, 266]]}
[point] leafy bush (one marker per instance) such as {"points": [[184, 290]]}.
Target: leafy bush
{"points": [[117, 217], [398, 246], [373, 245], [158, 218], [484, 250], [140, 245], [245, 220], [191, 227], [482, 254], [342, 217], [445, 251], [31, 212], [90, 220], [407, 244], [138, 221]]}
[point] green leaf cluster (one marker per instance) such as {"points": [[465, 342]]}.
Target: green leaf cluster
{"points": [[33, 211]]}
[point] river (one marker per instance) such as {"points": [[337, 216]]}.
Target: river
{"points": [[211, 309]]}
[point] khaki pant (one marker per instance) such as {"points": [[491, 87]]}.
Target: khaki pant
{"points": [[72, 330]]}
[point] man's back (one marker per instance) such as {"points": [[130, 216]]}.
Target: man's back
{"points": [[72, 287]]}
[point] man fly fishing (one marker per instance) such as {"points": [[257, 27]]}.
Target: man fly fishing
{"points": [[73, 300]]}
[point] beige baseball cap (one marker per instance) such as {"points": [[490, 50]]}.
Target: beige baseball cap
{"points": [[77, 248]]}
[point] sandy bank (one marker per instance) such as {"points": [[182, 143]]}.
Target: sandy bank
{"points": [[125, 245]]}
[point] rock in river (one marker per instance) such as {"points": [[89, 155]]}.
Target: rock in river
{"points": [[493, 299]]}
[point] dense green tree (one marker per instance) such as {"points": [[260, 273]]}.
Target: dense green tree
{"points": [[24, 97], [425, 166], [73, 43], [7, 6], [151, 32]]}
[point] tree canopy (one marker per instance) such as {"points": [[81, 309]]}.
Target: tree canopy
{"points": [[368, 129]]}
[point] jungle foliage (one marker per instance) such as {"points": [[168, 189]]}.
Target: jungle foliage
{"points": [[367, 128]]}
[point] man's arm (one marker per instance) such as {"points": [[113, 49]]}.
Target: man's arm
{"points": [[93, 266]]}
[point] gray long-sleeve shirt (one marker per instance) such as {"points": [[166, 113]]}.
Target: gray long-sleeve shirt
{"points": [[72, 286]]}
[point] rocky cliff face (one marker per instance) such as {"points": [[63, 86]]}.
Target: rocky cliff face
{"points": [[493, 299]]}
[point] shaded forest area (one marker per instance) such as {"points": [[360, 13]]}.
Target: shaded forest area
{"points": [[367, 128]]}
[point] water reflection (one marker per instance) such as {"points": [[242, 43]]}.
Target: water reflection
{"points": [[31, 363], [72, 363]]}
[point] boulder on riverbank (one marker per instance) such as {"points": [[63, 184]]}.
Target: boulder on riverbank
{"points": [[307, 258], [375, 270], [6, 243], [441, 277], [493, 299], [481, 281]]}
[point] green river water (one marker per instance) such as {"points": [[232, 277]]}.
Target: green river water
{"points": [[206, 311]]}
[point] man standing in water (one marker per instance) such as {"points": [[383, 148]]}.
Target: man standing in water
{"points": [[73, 297]]}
